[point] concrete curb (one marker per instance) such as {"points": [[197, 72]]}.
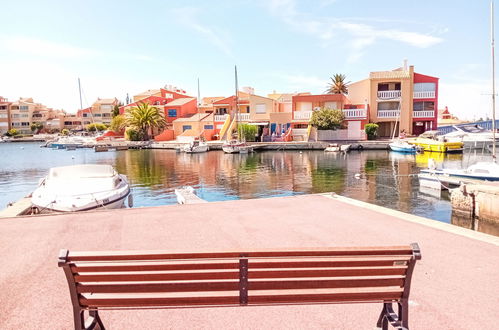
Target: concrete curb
{"points": [[420, 220]]}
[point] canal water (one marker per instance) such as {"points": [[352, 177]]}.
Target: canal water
{"points": [[378, 177]]}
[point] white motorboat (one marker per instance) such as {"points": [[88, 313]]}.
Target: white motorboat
{"points": [[234, 147], [487, 171], [399, 145], [81, 188], [196, 147], [473, 136]]}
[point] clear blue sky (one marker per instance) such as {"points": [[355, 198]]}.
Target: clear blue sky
{"points": [[117, 47]]}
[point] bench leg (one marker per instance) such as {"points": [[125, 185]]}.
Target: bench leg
{"points": [[78, 319], [90, 322], [388, 315], [96, 319]]}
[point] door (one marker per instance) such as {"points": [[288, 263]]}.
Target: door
{"points": [[354, 130]]}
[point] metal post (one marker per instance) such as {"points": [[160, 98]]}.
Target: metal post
{"points": [[493, 83]]}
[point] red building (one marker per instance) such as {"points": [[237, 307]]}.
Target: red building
{"points": [[425, 103]]}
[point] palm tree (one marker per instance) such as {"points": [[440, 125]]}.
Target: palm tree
{"points": [[143, 117], [337, 85]]}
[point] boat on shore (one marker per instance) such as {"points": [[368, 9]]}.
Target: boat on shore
{"points": [[78, 188]]}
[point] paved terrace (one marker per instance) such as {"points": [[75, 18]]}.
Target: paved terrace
{"points": [[455, 285]]}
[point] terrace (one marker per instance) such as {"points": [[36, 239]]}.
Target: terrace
{"points": [[456, 278]]}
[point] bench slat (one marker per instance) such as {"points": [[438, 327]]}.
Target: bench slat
{"points": [[155, 255], [254, 263], [141, 287], [257, 298]]}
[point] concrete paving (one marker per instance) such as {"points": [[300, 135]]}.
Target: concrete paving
{"points": [[455, 285]]}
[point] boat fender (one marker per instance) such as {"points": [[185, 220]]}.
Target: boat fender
{"points": [[130, 200], [360, 147]]}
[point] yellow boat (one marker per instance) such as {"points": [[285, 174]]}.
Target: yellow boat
{"points": [[432, 145]]}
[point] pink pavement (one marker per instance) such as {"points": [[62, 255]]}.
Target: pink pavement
{"points": [[454, 286]]}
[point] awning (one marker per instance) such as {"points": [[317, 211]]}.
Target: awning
{"points": [[259, 124]]}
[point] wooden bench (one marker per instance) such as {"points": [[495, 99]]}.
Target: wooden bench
{"points": [[158, 279]]}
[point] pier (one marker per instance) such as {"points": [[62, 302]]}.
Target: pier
{"points": [[456, 278]]}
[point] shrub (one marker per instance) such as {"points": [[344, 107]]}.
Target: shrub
{"points": [[247, 132], [12, 132], [133, 134], [96, 127], [65, 131], [371, 131], [118, 123], [36, 127], [327, 119]]}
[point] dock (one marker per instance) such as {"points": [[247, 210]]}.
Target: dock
{"points": [[459, 264], [21, 207]]}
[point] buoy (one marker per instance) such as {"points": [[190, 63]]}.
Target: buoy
{"points": [[130, 200]]}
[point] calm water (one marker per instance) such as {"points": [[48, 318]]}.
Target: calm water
{"points": [[386, 179]]}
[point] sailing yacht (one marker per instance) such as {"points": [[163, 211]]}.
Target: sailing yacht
{"points": [[236, 146], [488, 171]]}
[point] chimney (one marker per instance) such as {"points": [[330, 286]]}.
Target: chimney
{"points": [[405, 64]]}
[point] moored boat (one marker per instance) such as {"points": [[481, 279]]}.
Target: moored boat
{"points": [[234, 147], [429, 141], [403, 146], [196, 147], [80, 188]]}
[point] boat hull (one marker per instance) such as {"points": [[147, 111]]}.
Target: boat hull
{"points": [[438, 146]]}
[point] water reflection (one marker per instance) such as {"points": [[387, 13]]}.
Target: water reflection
{"points": [[378, 177]]}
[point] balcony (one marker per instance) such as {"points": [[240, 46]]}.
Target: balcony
{"points": [[221, 118], [388, 95], [355, 113], [303, 115], [424, 95], [388, 113], [243, 117], [423, 114]]}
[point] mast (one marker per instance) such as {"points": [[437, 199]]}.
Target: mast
{"points": [[237, 102], [79, 88], [199, 97], [493, 83]]}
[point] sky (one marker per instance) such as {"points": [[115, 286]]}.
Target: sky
{"points": [[120, 47]]}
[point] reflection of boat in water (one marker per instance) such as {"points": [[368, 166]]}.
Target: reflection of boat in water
{"points": [[429, 141], [196, 147], [81, 188]]}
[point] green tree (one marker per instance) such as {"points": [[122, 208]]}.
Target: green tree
{"points": [[325, 119], [144, 117], [116, 109], [247, 132], [96, 127], [371, 131], [118, 123], [338, 85], [36, 127]]}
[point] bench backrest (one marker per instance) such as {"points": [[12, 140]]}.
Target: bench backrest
{"points": [[130, 279]]}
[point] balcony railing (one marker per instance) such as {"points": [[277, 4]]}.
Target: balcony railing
{"points": [[243, 116], [302, 115], [423, 114], [389, 94], [424, 95], [221, 118], [355, 113], [388, 113]]}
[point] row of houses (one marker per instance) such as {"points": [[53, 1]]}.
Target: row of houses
{"points": [[385, 97], [24, 112]]}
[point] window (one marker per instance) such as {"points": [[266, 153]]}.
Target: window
{"points": [[106, 107], [106, 115], [85, 115], [14, 115], [172, 112], [3, 107], [97, 115], [3, 115], [24, 108], [424, 106], [247, 109], [25, 115], [424, 87], [208, 126], [186, 127], [24, 123], [15, 107], [68, 123], [388, 105], [261, 108]]}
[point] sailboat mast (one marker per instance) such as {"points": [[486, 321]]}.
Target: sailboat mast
{"points": [[79, 88], [237, 102], [199, 96], [493, 83]]}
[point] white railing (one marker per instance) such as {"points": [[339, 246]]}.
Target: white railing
{"points": [[243, 116], [221, 118], [388, 113], [389, 94], [423, 114], [355, 113], [302, 115], [424, 95]]}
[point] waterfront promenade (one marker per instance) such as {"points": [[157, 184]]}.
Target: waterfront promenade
{"points": [[455, 285]]}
